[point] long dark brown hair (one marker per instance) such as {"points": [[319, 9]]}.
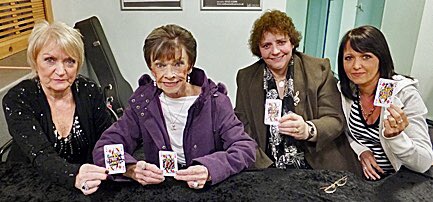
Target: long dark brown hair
{"points": [[364, 39]]}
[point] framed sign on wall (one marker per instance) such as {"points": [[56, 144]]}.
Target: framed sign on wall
{"points": [[231, 5], [151, 4]]}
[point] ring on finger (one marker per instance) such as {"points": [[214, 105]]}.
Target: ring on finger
{"points": [[394, 126], [195, 184], [400, 121], [296, 130], [365, 168], [85, 186], [144, 166]]}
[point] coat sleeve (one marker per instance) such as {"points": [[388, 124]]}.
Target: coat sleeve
{"points": [[356, 147], [238, 148], [413, 146], [329, 120], [28, 135], [125, 131], [240, 103]]}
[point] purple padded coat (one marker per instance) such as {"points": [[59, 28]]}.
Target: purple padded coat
{"points": [[227, 152]]}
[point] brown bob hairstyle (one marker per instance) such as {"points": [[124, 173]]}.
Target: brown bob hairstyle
{"points": [[166, 42]]}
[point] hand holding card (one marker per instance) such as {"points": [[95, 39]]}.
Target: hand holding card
{"points": [[168, 162], [114, 158]]}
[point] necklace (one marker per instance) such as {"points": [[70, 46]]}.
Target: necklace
{"points": [[282, 83], [366, 115], [173, 119]]}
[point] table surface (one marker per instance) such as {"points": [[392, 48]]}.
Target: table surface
{"points": [[20, 182]]}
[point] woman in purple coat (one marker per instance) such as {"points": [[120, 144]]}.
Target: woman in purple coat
{"points": [[181, 110]]}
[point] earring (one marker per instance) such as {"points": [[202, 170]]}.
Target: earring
{"points": [[154, 83], [188, 79]]}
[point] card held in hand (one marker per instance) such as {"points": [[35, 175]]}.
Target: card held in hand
{"points": [[384, 92], [168, 162], [114, 158], [273, 109]]}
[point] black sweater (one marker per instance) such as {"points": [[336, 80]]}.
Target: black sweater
{"points": [[28, 116]]}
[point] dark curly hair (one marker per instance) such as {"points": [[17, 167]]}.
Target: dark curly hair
{"points": [[275, 22], [364, 39], [167, 41]]}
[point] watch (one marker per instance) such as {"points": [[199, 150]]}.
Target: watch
{"points": [[311, 131]]}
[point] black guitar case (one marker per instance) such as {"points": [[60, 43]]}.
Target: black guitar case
{"points": [[100, 59]]}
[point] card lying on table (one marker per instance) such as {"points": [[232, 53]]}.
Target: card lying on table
{"points": [[168, 162], [384, 92], [114, 158]]}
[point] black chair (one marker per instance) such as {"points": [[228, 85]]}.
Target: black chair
{"points": [[5, 148]]}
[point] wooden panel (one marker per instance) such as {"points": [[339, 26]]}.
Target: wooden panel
{"points": [[17, 18]]}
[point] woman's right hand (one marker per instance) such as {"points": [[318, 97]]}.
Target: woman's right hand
{"points": [[144, 173], [370, 166], [89, 178]]}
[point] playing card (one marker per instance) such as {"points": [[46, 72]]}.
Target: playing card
{"points": [[384, 92], [168, 162], [273, 109], [114, 158]]}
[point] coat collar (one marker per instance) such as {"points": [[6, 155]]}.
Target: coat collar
{"points": [[146, 104]]}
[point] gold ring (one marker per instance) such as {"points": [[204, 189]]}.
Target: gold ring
{"points": [[296, 130], [394, 126]]}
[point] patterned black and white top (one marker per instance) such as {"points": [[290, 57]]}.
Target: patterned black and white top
{"points": [[284, 150], [73, 147], [368, 135]]}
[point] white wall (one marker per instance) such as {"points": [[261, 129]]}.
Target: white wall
{"points": [[423, 57], [222, 36], [297, 10], [400, 24]]}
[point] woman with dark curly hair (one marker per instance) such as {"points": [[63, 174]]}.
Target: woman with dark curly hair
{"points": [[308, 134]]}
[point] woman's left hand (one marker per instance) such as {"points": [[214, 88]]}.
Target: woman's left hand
{"points": [[395, 122], [89, 177], [195, 176], [293, 125]]}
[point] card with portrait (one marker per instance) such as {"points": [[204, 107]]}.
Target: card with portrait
{"points": [[168, 162], [273, 109], [114, 158], [384, 92]]}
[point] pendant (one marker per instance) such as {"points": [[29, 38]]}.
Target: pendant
{"points": [[282, 83], [173, 126]]}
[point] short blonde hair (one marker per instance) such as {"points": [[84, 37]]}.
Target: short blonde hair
{"points": [[67, 38]]}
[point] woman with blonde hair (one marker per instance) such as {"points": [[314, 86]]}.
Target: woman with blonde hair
{"points": [[56, 117]]}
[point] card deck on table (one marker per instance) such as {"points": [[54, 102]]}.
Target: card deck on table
{"points": [[168, 162], [384, 92], [114, 158], [273, 109]]}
